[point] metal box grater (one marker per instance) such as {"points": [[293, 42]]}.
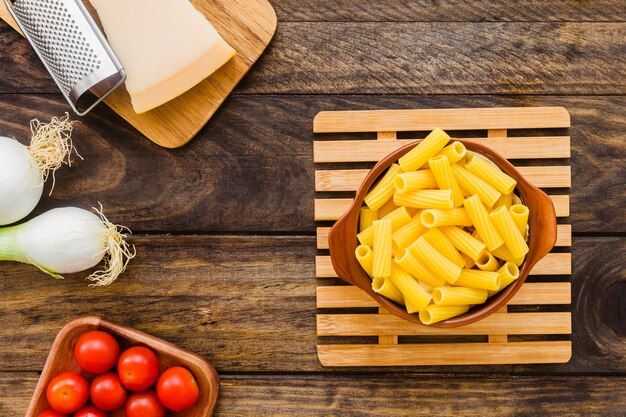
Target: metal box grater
{"points": [[71, 46]]}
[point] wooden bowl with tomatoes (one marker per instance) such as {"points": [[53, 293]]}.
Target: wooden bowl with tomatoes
{"points": [[174, 378]]}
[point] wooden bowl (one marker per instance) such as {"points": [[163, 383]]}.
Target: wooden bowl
{"points": [[342, 238], [61, 359]]}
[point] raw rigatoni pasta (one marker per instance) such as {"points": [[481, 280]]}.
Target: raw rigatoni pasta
{"points": [[442, 245], [442, 230], [417, 269], [441, 199], [416, 298], [475, 185], [480, 218], [399, 217], [458, 296], [382, 191], [454, 152], [483, 280], [365, 256], [435, 313], [385, 287], [426, 149], [366, 217], [487, 262], [464, 242], [450, 217], [435, 261], [407, 234], [519, 214], [387, 208], [415, 180], [490, 173], [440, 167], [506, 227], [382, 248]]}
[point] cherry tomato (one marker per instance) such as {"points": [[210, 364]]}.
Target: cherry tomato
{"points": [[51, 413], [90, 411], [138, 368], [107, 392], [67, 392], [177, 389], [96, 352], [144, 404]]}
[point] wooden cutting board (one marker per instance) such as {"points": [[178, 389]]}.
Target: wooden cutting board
{"points": [[536, 324], [247, 25]]}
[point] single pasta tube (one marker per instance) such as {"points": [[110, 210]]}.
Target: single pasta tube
{"points": [[366, 217], [487, 262], [382, 248], [387, 208], [450, 217], [441, 243], [511, 235], [415, 180], [483, 280], [382, 191], [490, 173], [464, 242], [480, 218], [519, 214], [515, 199], [503, 253], [385, 287], [504, 200], [435, 261], [508, 273], [475, 185], [424, 199], [416, 298], [440, 167], [365, 256], [456, 296], [469, 262], [408, 233], [426, 149], [407, 261], [399, 217], [454, 152], [435, 313]]}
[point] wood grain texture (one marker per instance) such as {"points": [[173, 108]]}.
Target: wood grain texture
{"points": [[235, 300], [393, 395], [254, 159], [410, 58], [448, 11]]}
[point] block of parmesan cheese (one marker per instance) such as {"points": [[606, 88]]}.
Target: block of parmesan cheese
{"points": [[165, 46]]}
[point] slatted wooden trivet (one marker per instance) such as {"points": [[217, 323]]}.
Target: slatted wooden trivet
{"points": [[347, 318]]}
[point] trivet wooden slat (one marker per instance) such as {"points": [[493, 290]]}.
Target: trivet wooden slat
{"points": [[347, 318]]}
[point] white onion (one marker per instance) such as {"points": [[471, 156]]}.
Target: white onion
{"points": [[21, 181], [68, 240]]}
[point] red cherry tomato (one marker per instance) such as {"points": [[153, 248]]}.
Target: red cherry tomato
{"points": [[144, 404], [90, 411], [177, 389], [51, 413], [138, 368], [107, 392], [67, 392], [96, 352]]}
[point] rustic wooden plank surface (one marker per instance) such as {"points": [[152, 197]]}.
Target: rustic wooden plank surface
{"points": [[248, 305], [395, 395], [448, 11], [408, 58], [251, 169]]}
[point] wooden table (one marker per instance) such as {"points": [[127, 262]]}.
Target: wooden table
{"points": [[224, 226]]}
